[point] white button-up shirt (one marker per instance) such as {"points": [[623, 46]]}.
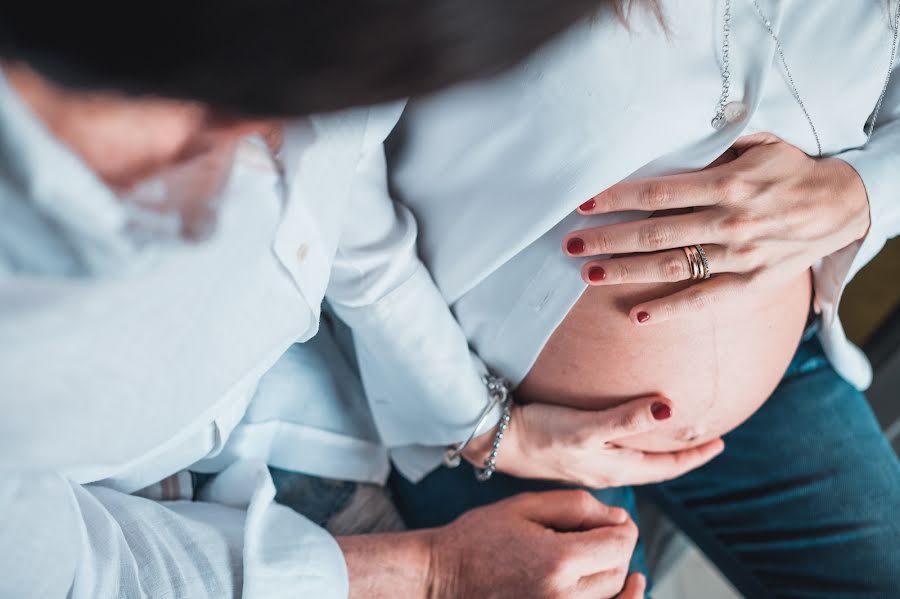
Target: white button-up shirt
{"points": [[120, 368], [121, 365], [494, 170]]}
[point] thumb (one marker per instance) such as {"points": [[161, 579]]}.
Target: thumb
{"points": [[569, 510], [633, 417], [634, 587]]}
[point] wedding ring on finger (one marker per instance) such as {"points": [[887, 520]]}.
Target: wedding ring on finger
{"points": [[698, 262]]}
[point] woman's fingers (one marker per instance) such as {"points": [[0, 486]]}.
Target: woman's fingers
{"points": [[632, 418], [647, 235], [644, 468], [670, 266], [696, 299], [659, 193]]}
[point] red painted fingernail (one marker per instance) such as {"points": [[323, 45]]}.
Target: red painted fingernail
{"points": [[643, 317], [661, 411], [575, 246], [596, 274], [588, 206]]}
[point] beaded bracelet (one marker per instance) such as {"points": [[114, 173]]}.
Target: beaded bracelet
{"points": [[498, 390], [490, 462]]}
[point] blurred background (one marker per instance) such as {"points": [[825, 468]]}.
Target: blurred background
{"points": [[870, 311]]}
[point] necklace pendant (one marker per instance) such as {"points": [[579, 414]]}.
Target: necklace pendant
{"points": [[735, 112]]}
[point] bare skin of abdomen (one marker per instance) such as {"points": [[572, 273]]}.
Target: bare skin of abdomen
{"points": [[716, 368]]}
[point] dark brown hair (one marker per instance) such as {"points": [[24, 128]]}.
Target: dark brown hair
{"points": [[281, 57]]}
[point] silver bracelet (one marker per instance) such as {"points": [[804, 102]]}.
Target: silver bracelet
{"points": [[498, 391], [490, 462]]}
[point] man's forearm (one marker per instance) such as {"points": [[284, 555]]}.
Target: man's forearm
{"points": [[389, 565]]}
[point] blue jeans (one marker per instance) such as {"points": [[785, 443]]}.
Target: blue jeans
{"points": [[803, 502]]}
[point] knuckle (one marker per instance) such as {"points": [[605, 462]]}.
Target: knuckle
{"points": [[611, 199], [655, 236], [603, 244], [631, 532], [732, 187], [739, 227], [625, 536], [746, 257], [580, 439], [583, 499], [670, 309], [654, 196], [699, 300], [591, 481], [674, 268], [631, 421], [620, 271]]}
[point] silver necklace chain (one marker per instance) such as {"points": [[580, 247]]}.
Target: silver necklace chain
{"points": [[720, 118], [887, 81]]}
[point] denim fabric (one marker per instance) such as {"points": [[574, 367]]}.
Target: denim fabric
{"points": [[803, 502], [316, 498]]}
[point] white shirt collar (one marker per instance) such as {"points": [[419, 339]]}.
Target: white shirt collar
{"points": [[59, 187]]}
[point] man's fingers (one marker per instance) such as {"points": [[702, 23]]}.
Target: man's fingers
{"points": [[569, 510], [685, 190], [601, 549], [631, 418], [635, 586], [658, 467], [603, 585], [696, 299]]}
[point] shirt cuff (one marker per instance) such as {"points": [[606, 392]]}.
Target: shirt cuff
{"points": [[284, 554], [423, 383]]}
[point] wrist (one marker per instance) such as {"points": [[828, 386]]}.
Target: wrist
{"points": [[391, 564], [847, 187], [479, 448]]}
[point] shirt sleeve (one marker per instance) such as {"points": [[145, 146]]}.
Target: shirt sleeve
{"points": [[878, 164], [60, 539], [423, 383]]}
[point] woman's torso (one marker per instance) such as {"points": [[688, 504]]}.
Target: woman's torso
{"points": [[494, 171]]}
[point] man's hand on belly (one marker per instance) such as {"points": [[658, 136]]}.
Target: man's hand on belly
{"points": [[581, 446]]}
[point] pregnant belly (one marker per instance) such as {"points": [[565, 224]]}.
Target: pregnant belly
{"points": [[716, 368]]}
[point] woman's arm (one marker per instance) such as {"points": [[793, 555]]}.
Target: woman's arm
{"points": [[878, 165], [764, 213], [424, 384]]}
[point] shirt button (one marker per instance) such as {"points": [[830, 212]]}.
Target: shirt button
{"points": [[302, 252]]}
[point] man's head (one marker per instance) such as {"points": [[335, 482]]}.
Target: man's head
{"points": [[135, 90], [279, 57]]}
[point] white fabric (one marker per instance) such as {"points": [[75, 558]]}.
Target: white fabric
{"points": [[122, 365], [62, 539], [494, 170]]}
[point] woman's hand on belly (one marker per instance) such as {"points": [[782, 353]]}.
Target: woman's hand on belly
{"points": [[764, 213], [582, 446]]}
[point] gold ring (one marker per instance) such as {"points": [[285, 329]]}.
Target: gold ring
{"points": [[698, 262], [694, 262]]}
